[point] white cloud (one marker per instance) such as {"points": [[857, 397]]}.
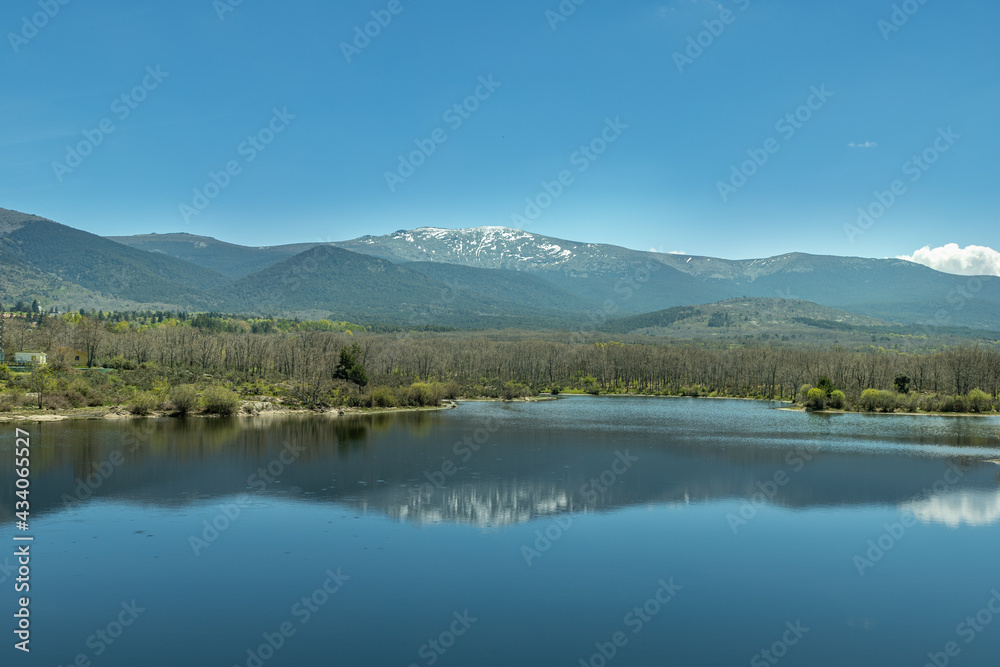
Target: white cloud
{"points": [[972, 508], [973, 260], [867, 144]]}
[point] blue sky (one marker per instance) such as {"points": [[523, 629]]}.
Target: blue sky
{"points": [[556, 86]]}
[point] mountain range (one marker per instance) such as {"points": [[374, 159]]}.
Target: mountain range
{"points": [[482, 277]]}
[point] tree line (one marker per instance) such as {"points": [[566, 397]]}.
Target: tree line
{"points": [[311, 359]]}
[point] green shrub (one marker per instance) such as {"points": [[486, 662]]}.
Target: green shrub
{"points": [[11, 401], [184, 398], [74, 398], [513, 390], [930, 403], [217, 400], [80, 386], [815, 399], [907, 402], [358, 401], [877, 400], [423, 394], [979, 401], [803, 395], [383, 397], [953, 404], [837, 400], [588, 383], [143, 403], [121, 363]]}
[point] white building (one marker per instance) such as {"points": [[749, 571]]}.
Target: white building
{"points": [[29, 358]]}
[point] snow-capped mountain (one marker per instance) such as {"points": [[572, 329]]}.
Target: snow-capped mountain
{"points": [[486, 247], [503, 270]]}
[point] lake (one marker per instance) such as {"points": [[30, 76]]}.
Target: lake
{"points": [[582, 531]]}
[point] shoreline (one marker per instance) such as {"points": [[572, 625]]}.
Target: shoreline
{"points": [[896, 414], [713, 398], [790, 407], [121, 413]]}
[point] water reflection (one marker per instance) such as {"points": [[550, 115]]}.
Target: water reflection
{"points": [[412, 467], [971, 508]]}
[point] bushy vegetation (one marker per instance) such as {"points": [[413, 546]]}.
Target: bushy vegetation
{"points": [[816, 399], [877, 400], [144, 403], [184, 399], [218, 400], [837, 400], [184, 364], [825, 396]]}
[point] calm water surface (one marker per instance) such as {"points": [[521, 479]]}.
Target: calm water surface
{"points": [[593, 531]]}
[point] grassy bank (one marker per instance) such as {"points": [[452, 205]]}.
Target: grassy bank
{"points": [[154, 391]]}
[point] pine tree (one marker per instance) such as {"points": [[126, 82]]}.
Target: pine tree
{"points": [[349, 368]]}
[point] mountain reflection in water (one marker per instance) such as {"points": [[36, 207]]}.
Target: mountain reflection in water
{"points": [[428, 467]]}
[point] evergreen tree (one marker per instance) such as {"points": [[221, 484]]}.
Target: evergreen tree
{"points": [[349, 368]]}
